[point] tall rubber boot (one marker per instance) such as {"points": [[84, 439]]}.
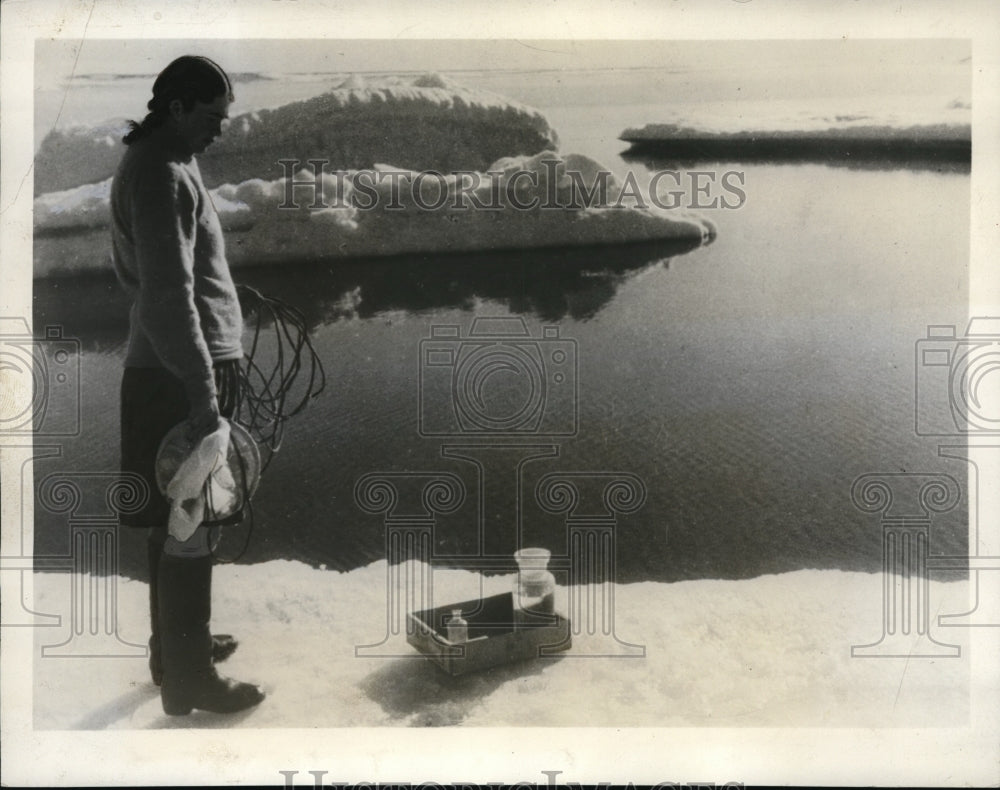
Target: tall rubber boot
{"points": [[189, 678], [223, 645]]}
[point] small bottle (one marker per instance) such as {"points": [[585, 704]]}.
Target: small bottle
{"points": [[534, 588], [457, 627]]}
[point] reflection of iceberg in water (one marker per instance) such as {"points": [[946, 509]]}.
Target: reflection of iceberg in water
{"points": [[552, 284], [853, 156]]}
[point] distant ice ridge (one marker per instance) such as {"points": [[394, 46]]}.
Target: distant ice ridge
{"points": [[926, 122], [419, 123], [385, 210], [939, 115]]}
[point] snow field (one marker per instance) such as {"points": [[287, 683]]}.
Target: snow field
{"points": [[771, 651]]}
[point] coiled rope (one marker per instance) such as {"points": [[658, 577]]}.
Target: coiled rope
{"points": [[265, 400], [271, 388]]}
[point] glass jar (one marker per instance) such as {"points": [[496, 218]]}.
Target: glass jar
{"points": [[457, 627], [534, 588]]}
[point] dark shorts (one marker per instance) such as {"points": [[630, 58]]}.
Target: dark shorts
{"points": [[153, 401]]}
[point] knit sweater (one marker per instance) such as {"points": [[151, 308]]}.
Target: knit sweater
{"points": [[169, 254]]}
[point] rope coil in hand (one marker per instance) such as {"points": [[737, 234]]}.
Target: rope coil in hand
{"points": [[267, 390]]}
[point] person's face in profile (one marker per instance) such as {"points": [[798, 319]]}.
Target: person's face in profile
{"points": [[202, 124]]}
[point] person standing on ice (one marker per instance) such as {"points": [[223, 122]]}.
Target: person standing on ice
{"points": [[182, 363]]}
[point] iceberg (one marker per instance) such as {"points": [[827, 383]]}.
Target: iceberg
{"points": [[75, 155], [516, 203], [470, 171], [423, 123]]}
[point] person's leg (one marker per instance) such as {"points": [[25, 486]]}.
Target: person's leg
{"points": [[184, 594], [152, 403], [223, 645]]}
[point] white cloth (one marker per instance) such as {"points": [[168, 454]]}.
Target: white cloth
{"points": [[186, 490]]}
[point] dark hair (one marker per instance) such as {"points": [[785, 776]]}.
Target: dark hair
{"points": [[190, 78]]}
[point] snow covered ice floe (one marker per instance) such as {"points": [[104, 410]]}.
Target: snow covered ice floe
{"points": [[367, 208], [901, 130], [531, 202], [769, 651], [421, 123]]}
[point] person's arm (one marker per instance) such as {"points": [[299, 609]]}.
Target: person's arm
{"points": [[164, 228]]}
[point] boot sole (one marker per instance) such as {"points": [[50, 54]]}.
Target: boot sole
{"points": [[183, 708]]}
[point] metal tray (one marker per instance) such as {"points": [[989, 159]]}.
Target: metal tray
{"points": [[493, 637]]}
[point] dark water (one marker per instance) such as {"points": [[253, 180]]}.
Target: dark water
{"points": [[746, 384]]}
